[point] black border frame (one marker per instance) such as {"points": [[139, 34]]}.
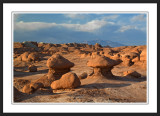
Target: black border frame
{"points": [[71, 1]]}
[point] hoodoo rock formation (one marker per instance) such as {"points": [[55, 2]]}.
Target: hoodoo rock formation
{"points": [[102, 66], [58, 65]]}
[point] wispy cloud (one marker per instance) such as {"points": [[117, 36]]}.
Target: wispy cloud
{"points": [[126, 27], [88, 27], [140, 17], [32, 26]]}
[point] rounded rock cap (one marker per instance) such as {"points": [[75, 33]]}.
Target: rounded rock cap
{"points": [[101, 62], [59, 62]]}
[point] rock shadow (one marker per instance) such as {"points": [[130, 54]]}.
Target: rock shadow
{"points": [[23, 74], [104, 85], [128, 78]]}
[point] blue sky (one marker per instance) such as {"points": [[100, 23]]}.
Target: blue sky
{"points": [[128, 29]]}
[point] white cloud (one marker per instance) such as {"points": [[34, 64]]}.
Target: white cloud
{"points": [[138, 18], [91, 26], [31, 26], [127, 27], [88, 27], [75, 16]]}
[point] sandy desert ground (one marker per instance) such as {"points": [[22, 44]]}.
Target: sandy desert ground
{"points": [[128, 83]]}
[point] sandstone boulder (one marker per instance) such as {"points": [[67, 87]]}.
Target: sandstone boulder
{"points": [[67, 81]]}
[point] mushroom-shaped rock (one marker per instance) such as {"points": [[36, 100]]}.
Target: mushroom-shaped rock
{"points": [[58, 66], [67, 81], [102, 66]]}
